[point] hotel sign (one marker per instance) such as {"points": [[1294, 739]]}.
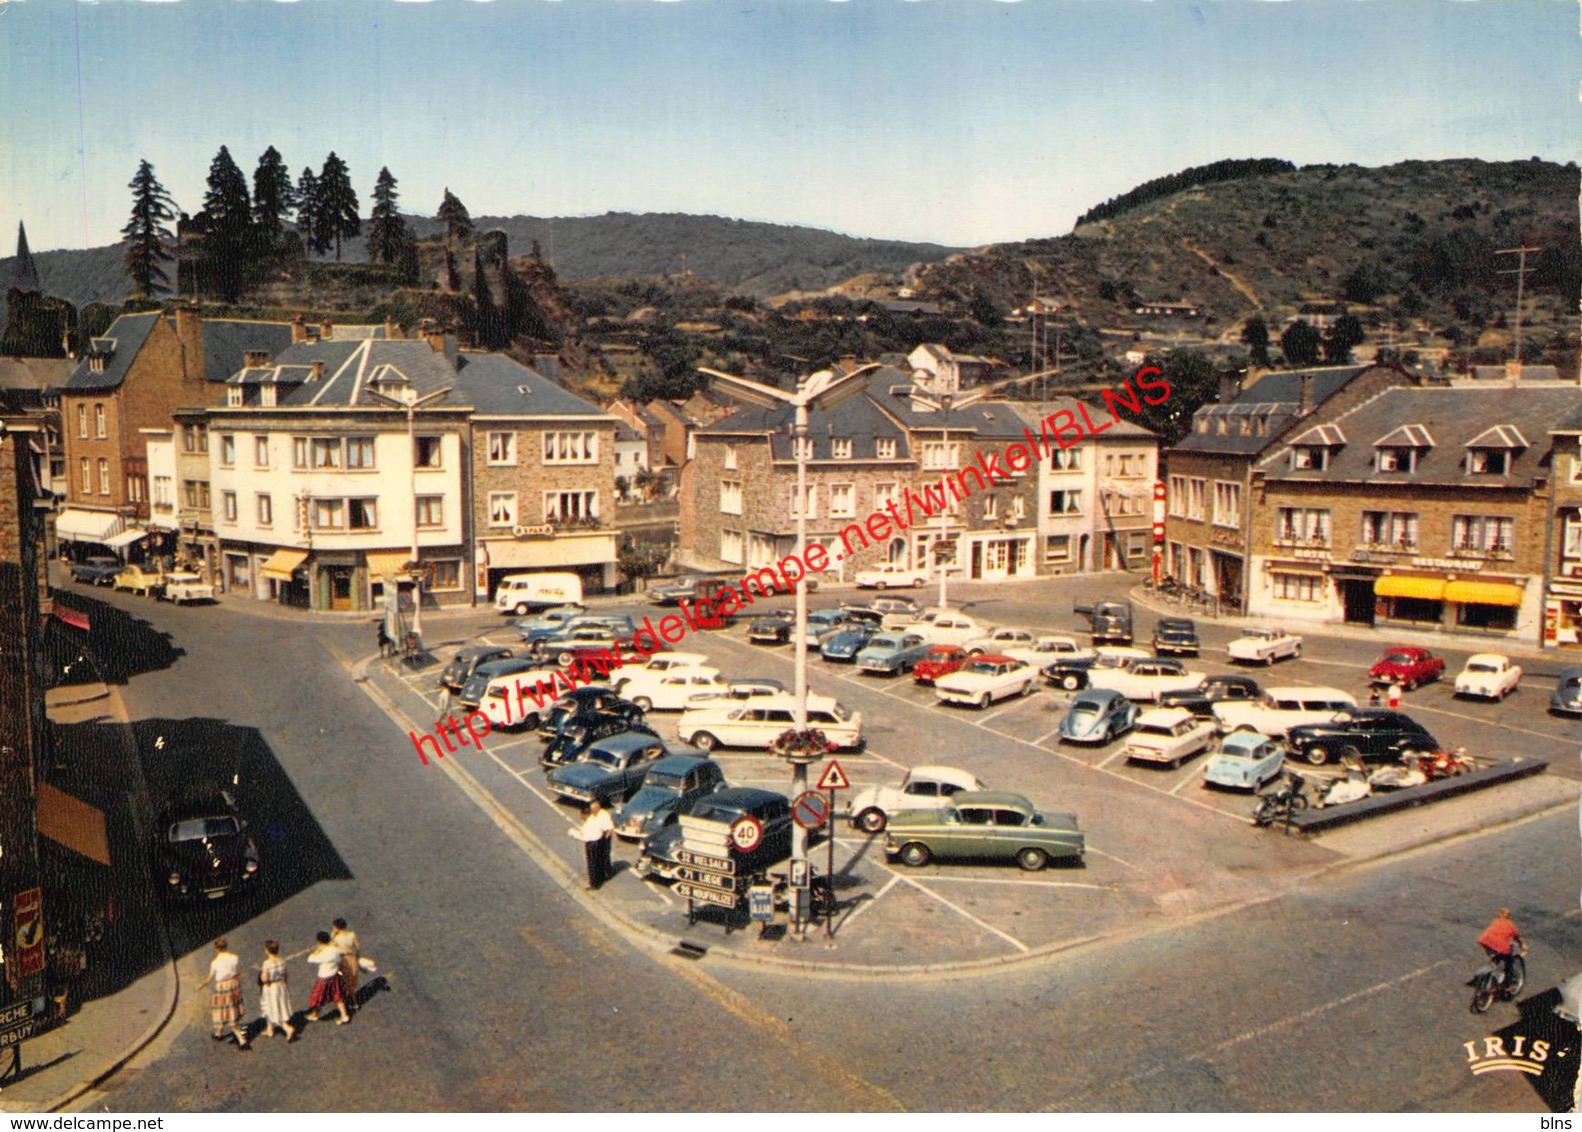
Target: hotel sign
{"points": [[537, 531]]}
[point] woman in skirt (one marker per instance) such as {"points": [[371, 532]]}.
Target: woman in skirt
{"points": [[330, 986], [225, 1001], [275, 998], [346, 942]]}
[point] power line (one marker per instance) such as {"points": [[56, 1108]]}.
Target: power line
{"points": [[1520, 271]]}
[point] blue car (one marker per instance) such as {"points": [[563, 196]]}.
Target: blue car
{"points": [[891, 653], [1097, 715], [845, 644], [822, 621], [1567, 696], [547, 624], [1245, 761]]}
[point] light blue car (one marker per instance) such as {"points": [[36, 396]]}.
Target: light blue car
{"points": [[1246, 760], [892, 653], [845, 644], [1098, 715], [1566, 699], [548, 623], [821, 622]]}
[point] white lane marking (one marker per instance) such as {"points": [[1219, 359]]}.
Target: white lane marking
{"points": [[1010, 939], [1336, 663], [1113, 857], [1024, 883], [658, 890], [1039, 742], [894, 880], [1120, 753], [1334, 1004], [1492, 723]]}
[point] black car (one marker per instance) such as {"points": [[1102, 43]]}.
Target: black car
{"points": [[671, 784], [1110, 621], [672, 591], [202, 848], [1369, 734], [581, 703], [610, 771], [473, 688], [97, 571], [466, 661], [773, 629], [1200, 701], [1070, 673], [1176, 635], [773, 812], [568, 746]]}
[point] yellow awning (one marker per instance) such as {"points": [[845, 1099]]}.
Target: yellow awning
{"points": [[1483, 593], [283, 563], [73, 823], [388, 564], [1429, 589]]}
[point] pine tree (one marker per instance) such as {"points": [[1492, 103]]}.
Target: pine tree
{"points": [[453, 214], [1346, 333], [386, 228], [146, 235], [1300, 344], [337, 203], [273, 196], [307, 205], [1255, 336], [228, 214]]}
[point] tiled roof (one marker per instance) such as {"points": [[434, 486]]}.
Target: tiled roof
{"points": [[124, 338]]}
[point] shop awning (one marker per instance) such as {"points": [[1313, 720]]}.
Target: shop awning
{"points": [[1428, 589], [126, 538], [388, 564], [87, 526], [562, 550], [283, 563], [73, 823], [1483, 593]]}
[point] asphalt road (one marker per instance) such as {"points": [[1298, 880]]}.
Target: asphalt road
{"points": [[504, 995]]}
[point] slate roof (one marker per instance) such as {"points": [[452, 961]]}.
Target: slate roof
{"points": [[124, 338], [1453, 416], [1528, 373], [858, 420], [226, 342], [35, 373], [1275, 397], [496, 385], [1321, 436], [1033, 413]]}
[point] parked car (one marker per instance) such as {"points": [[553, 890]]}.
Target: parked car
{"points": [[672, 783], [1280, 709], [585, 643], [1200, 701], [203, 847], [1264, 646], [1110, 622], [661, 661], [845, 644], [99, 570], [184, 586], [519, 699], [1144, 678], [888, 574], [1369, 734], [986, 825], [758, 723], [745, 689], [892, 653], [897, 612], [579, 704], [139, 580], [821, 622], [1407, 666], [1098, 715], [1488, 675], [466, 661], [939, 660], [923, 788], [724, 807], [1073, 672], [1176, 635], [568, 746], [548, 623], [1245, 760], [772, 629], [1001, 640], [518, 593], [473, 688], [984, 679], [672, 690], [1044, 651], [1566, 699], [672, 591], [709, 594], [609, 770], [863, 615], [1169, 735], [947, 627]]}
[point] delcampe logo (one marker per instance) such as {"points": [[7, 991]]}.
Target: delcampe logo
{"points": [[1522, 1057]]}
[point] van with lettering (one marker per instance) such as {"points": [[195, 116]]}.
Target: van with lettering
{"points": [[520, 592]]}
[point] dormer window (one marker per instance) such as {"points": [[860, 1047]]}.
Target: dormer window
{"points": [[233, 395], [1397, 459], [1310, 452], [1401, 450], [1491, 452], [840, 447], [1488, 462], [266, 396], [1309, 458]]}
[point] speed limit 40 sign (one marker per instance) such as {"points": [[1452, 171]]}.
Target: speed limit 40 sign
{"points": [[746, 833]]}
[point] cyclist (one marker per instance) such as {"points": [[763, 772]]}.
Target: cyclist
{"points": [[1500, 940]]}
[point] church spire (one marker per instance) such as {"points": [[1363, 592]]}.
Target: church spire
{"points": [[25, 276]]}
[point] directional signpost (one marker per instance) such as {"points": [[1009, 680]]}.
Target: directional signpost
{"points": [[833, 779]]}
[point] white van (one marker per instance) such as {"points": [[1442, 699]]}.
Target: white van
{"points": [[520, 592]]}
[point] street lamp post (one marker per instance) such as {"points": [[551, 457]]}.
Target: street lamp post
{"points": [[944, 463], [412, 403]]}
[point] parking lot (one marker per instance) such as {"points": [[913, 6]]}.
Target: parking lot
{"points": [[1159, 843]]}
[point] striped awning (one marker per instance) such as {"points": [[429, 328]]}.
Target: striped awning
{"points": [[388, 564], [283, 563], [87, 526], [1483, 593], [1428, 589]]}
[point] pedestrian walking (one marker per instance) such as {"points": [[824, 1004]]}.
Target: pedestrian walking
{"points": [[274, 996], [1395, 695], [344, 940], [1373, 696], [596, 833], [330, 986], [225, 1001], [444, 701], [386, 645]]}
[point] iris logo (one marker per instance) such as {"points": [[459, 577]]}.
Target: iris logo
{"points": [[1522, 1058]]}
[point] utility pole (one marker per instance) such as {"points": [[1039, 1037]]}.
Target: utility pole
{"points": [[1520, 271]]}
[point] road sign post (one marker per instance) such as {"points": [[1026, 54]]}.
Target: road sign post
{"points": [[833, 779]]}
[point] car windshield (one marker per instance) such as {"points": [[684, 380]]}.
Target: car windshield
{"points": [[200, 828], [664, 780], [1084, 711], [983, 667], [884, 643], [1397, 658], [943, 654], [610, 759], [1481, 666], [1154, 729], [716, 813]]}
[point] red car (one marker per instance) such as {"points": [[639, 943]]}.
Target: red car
{"points": [[1407, 666], [939, 660]]}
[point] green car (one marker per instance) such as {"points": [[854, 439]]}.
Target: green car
{"points": [[984, 825]]}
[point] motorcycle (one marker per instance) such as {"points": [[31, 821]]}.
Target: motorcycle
{"points": [[1281, 803], [1488, 983], [1352, 788]]}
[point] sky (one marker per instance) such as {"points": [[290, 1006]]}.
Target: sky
{"points": [[961, 122]]}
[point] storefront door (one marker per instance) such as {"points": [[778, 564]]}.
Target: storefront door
{"points": [[1360, 601], [340, 586]]}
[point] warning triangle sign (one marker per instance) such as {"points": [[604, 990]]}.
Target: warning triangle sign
{"points": [[833, 778]]}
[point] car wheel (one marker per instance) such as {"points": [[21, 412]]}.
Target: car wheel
{"points": [[703, 741], [1071, 681], [1032, 860], [1268, 660], [566, 659], [643, 702], [1296, 653], [1409, 686], [872, 820], [915, 854], [881, 586], [1027, 688], [984, 700], [1317, 755], [521, 609]]}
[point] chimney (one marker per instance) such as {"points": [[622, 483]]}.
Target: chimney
{"points": [[434, 336], [391, 329], [548, 365], [318, 372], [1306, 405], [187, 323], [1513, 370], [299, 330], [1229, 387], [848, 362], [255, 359], [326, 330]]}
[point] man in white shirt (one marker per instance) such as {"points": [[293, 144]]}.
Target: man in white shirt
{"points": [[596, 832]]}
